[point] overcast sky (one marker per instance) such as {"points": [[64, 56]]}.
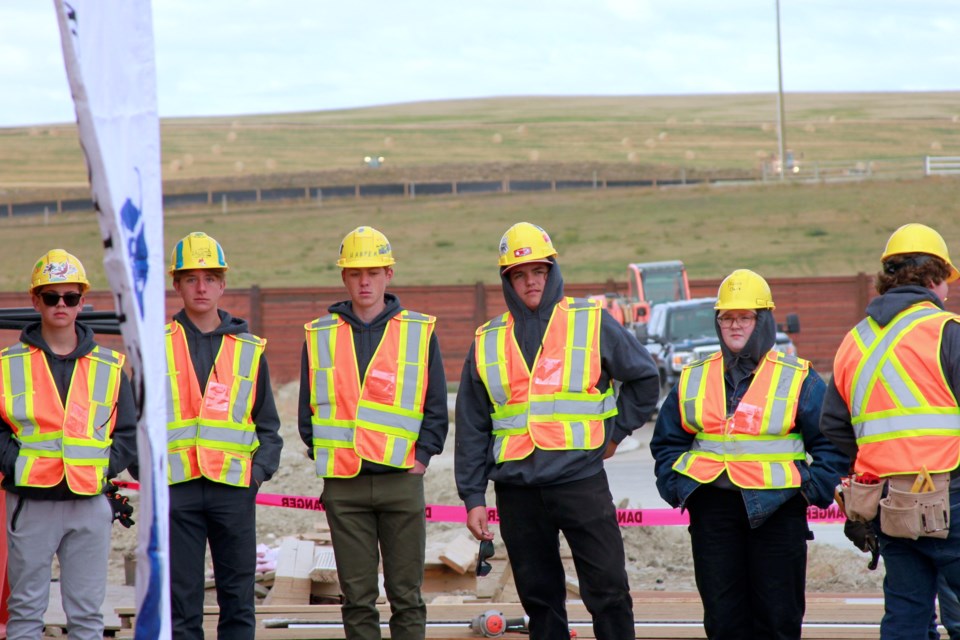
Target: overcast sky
{"points": [[219, 57]]}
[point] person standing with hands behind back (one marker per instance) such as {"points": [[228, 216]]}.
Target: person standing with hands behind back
{"points": [[68, 423], [223, 442], [537, 414]]}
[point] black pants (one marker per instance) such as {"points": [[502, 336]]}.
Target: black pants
{"points": [[531, 519], [751, 581], [202, 510]]}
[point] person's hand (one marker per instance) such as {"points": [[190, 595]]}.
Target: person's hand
{"points": [[863, 537], [611, 449], [477, 523], [120, 505], [418, 468]]}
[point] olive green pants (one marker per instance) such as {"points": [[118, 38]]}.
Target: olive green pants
{"points": [[370, 516]]}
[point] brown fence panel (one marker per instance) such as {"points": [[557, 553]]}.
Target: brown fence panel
{"points": [[827, 307]]}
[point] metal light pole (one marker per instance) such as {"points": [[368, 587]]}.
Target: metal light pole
{"points": [[781, 135]]}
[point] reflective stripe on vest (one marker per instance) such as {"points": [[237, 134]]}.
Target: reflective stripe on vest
{"points": [[212, 434], [559, 406], [378, 420], [903, 412], [56, 442], [756, 445]]}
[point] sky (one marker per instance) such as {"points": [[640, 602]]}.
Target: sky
{"points": [[220, 57]]}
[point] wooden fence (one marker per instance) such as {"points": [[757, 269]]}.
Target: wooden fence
{"points": [[827, 307]]}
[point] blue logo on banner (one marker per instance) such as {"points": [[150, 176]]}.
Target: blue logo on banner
{"points": [[132, 218]]}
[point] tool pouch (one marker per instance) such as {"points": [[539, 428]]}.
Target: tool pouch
{"points": [[905, 514], [861, 500]]}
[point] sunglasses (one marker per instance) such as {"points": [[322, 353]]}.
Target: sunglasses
{"points": [[486, 552], [52, 299]]}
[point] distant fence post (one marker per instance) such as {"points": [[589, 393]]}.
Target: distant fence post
{"points": [[479, 304], [255, 316]]}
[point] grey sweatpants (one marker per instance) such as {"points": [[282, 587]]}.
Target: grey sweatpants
{"points": [[78, 532]]}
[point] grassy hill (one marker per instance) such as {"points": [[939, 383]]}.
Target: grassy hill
{"points": [[780, 230]]}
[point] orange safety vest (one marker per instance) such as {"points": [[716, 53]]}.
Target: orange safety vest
{"points": [[558, 407], [54, 441], [902, 410], [212, 434], [755, 445], [378, 420]]}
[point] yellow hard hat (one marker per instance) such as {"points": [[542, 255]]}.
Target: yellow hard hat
{"points": [[365, 247], [197, 250], [919, 238], [525, 242], [58, 267], [744, 289]]}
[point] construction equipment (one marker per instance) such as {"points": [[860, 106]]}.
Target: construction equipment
{"points": [[648, 284], [493, 624]]}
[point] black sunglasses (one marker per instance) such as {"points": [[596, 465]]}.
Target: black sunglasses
{"points": [[486, 552], [51, 298]]}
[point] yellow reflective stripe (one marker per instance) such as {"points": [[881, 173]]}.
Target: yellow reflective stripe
{"points": [[18, 369], [782, 395], [581, 324], [174, 406], [491, 360]]}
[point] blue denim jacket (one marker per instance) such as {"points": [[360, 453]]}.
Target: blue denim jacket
{"points": [[818, 477]]}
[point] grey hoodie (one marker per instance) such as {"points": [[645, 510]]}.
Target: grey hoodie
{"points": [[622, 358], [123, 451], [835, 417]]}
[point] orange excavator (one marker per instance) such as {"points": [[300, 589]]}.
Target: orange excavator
{"points": [[648, 284]]}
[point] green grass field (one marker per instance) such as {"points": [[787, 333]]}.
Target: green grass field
{"points": [[779, 230]]}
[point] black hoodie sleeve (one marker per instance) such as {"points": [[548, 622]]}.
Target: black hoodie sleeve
{"points": [[266, 460], [436, 419], [304, 412], [123, 451], [623, 358]]}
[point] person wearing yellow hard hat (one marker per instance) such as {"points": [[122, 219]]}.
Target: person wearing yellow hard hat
{"points": [[67, 426], [892, 407], [536, 413], [372, 413], [223, 442], [737, 444]]}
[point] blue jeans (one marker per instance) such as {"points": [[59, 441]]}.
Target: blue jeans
{"points": [[910, 583]]}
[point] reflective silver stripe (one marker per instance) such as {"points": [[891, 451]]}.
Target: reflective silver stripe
{"points": [[18, 390], [247, 351], [336, 434], [81, 452], [322, 457], [186, 432], [580, 303], [177, 470], [412, 366], [748, 446], [565, 407], [107, 355], [321, 382], [368, 414], [578, 354], [324, 322], [235, 472], [694, 379], [880, 353], [866, 331], [786, 376], [242, 437], [416, 316], [498, 443], [778, 475], [244, 393], [399, 453], [683, 462], [18, 349], [491, 366], [897, 387], [578, 431], [913, 422], [55, 444], [518, 421]]}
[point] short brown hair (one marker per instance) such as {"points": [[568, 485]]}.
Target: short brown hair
{"points": [[920, 269], [220, 273]]}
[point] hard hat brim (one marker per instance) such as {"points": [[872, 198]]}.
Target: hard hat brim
{"points": [[520, 264]]}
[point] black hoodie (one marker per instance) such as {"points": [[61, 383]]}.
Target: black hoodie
{"points": [[203, 349], [622, 358], [123, 450], [737, 366], [835, 417], [366, 339]]}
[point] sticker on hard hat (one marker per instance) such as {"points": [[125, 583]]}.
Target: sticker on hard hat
{"points": [[59, 270], [522, 251]]}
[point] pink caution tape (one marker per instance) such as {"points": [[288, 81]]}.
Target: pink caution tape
{"points": [[447, 513]]}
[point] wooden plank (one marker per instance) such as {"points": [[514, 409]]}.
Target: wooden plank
{"points": [[460, 554]]}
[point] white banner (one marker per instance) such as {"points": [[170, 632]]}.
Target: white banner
{"points": [[108, 51]]}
